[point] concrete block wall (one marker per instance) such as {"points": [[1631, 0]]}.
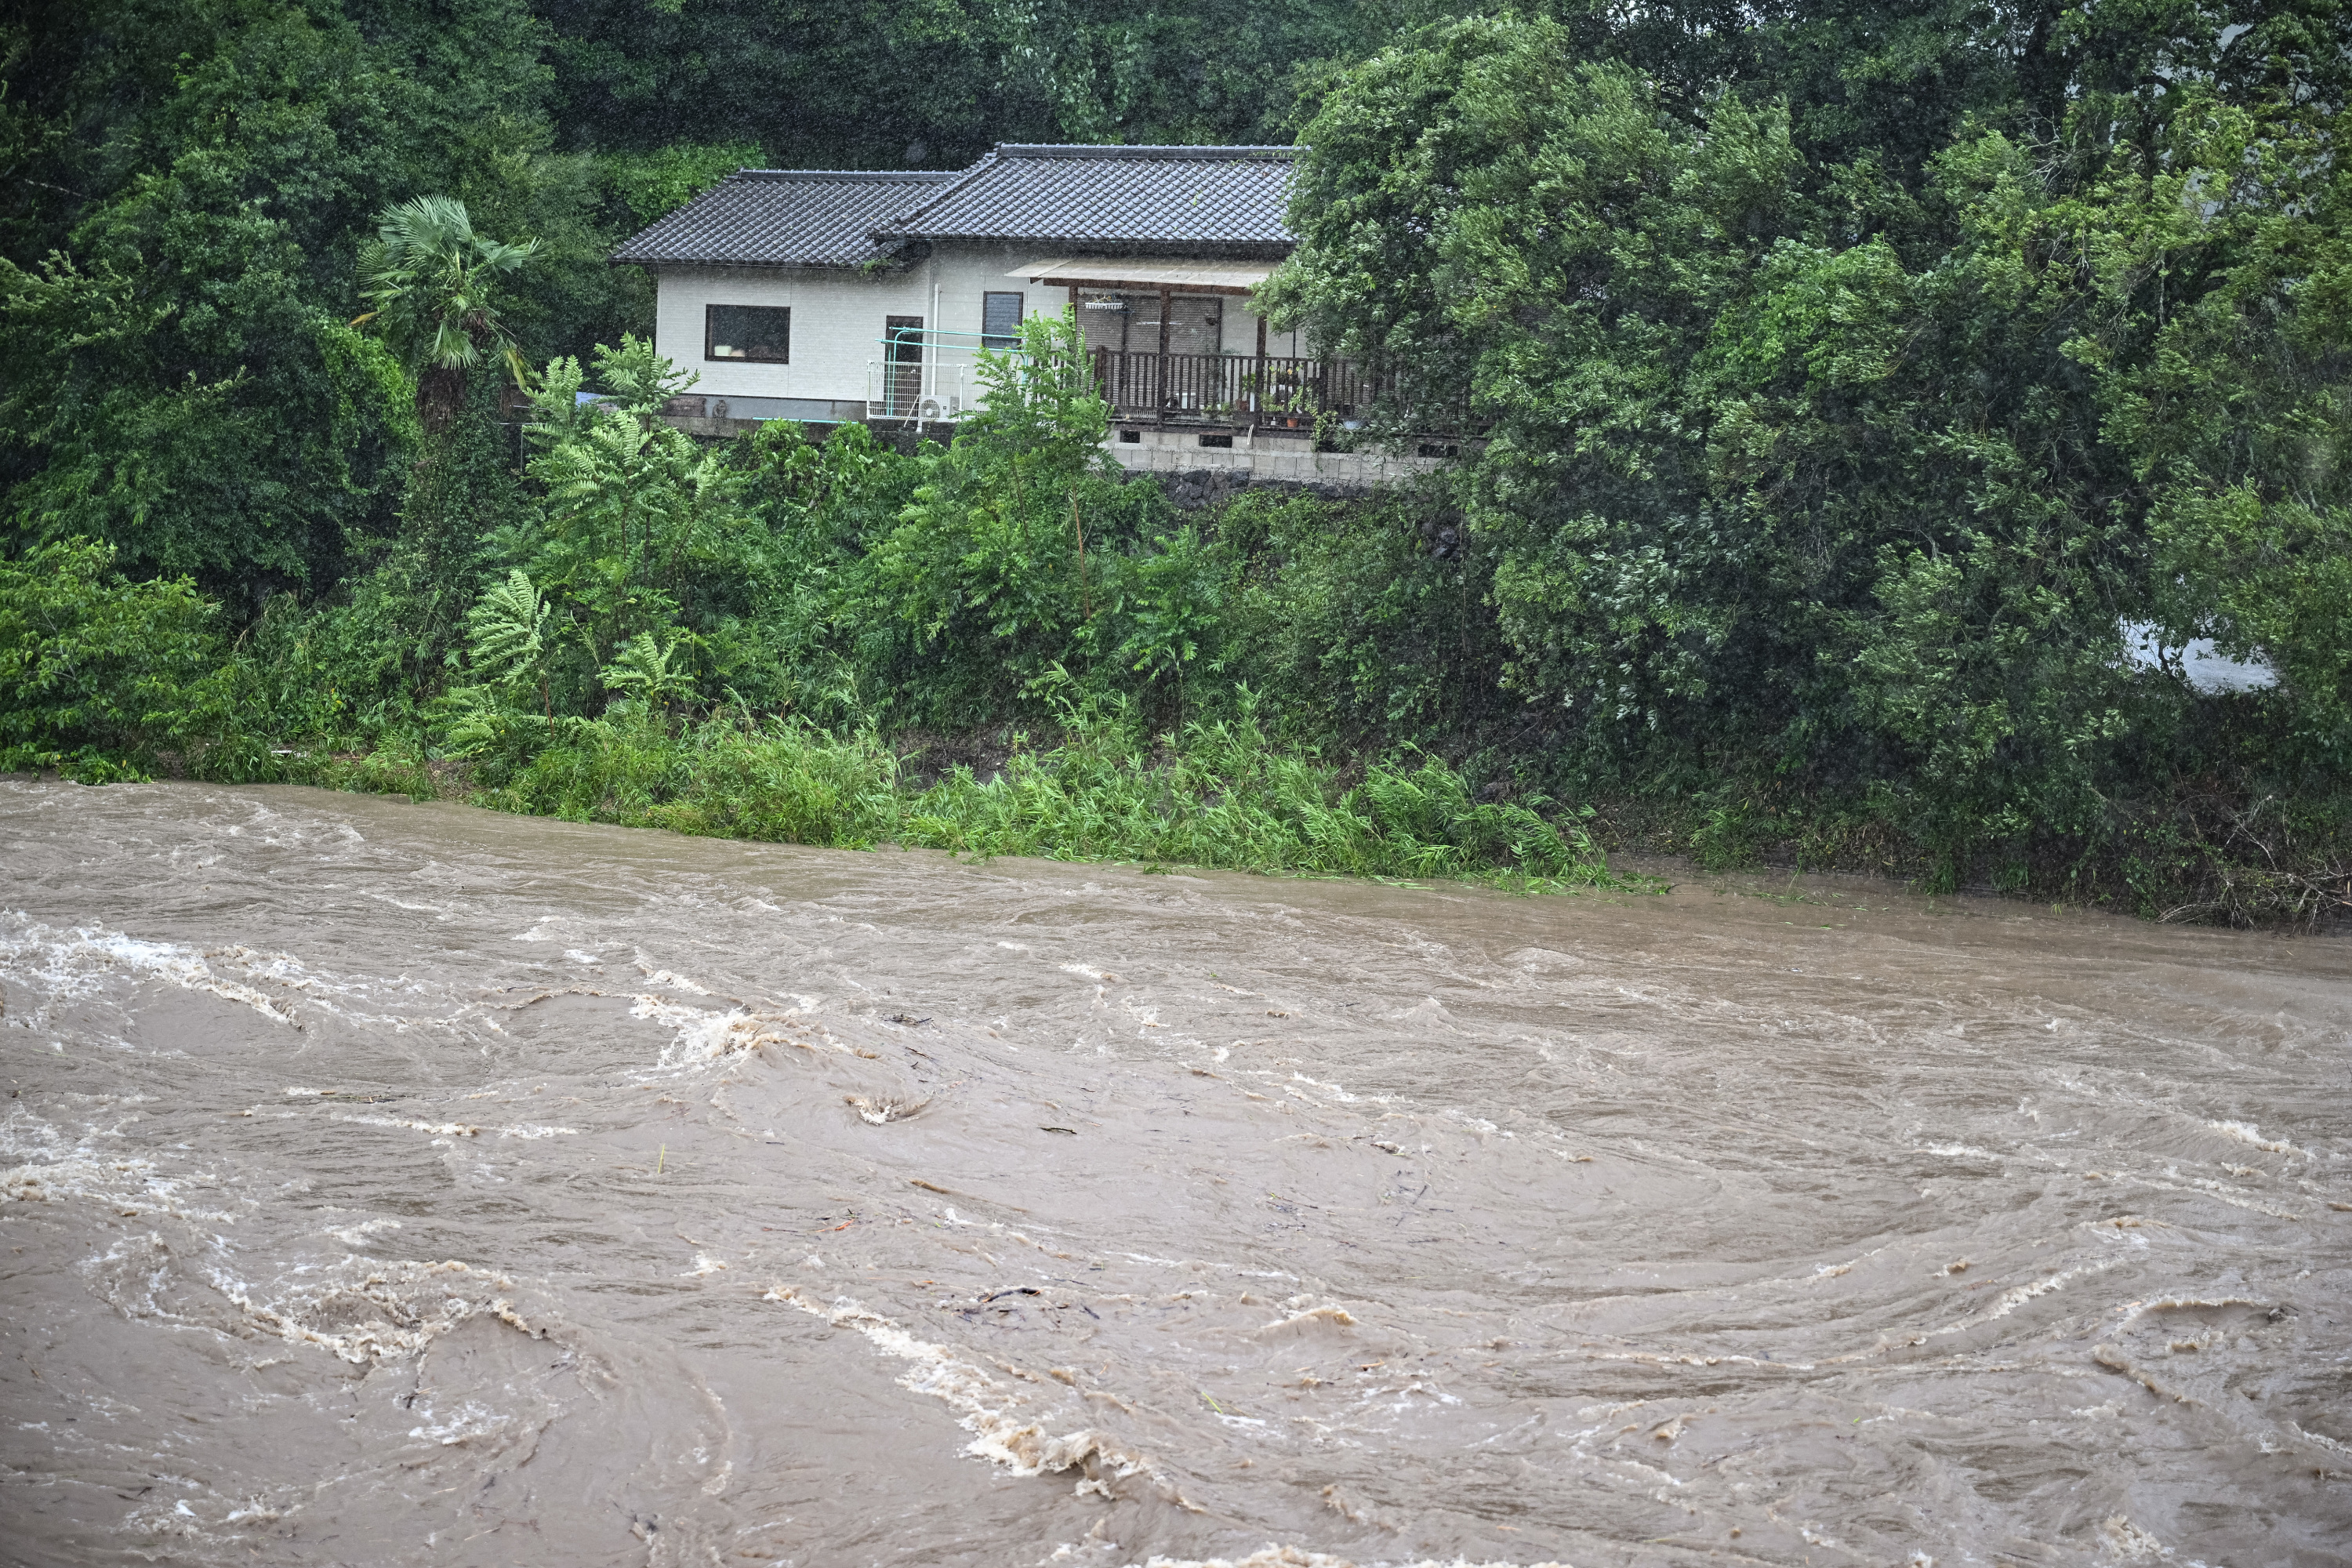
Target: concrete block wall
{"points": [[1263, 457], [1194, 475]]}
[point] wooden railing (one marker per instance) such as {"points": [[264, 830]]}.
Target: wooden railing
{"points": [[1229, 389]]}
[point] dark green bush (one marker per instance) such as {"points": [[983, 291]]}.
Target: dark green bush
{"points": [[98, 673]]}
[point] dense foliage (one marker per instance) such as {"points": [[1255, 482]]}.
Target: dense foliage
{"points": [[1216, 794], [102, 672], [1844, 381], [189, 185], [1838, 467], [868, 86], [846, 583], [188, 188], [714, 639]]}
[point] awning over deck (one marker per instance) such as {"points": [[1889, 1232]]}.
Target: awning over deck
{"points": [[1147, 277]]}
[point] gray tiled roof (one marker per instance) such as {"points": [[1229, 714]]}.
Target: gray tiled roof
{"points": [[1183, 200], [783, 218], [1230, 198]]}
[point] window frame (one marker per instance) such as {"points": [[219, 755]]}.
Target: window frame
{"points": [[711, 334], [1001, 340]]}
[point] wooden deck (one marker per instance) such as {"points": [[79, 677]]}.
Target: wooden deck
{"points": [[1229, 389]]}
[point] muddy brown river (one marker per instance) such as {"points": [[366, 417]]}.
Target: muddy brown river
{"points": [[385, 1184]]}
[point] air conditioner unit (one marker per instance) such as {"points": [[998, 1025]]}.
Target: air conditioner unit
{"points": [[935, 410]]}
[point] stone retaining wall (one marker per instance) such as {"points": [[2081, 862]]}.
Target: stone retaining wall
{"points": [[1256, 457], [1195, 474]]}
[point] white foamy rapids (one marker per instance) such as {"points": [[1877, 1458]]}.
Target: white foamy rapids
{"points": [[470, 1421], [461, 1129], [985, 1407], [196, 1518], [668, 981], [2248, 1133], [51, 1169], [130, 1187], [1329, 1314], [700, 1037], [79, 962], [2129, 1542], [381, 1310]]}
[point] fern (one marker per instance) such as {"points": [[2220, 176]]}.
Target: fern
{"points": [[506, 631], [470, 721], [642, 670]]}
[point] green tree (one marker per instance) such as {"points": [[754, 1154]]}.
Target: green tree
{"points": [[189, 184], [986, 580], [1845, 478], [1174, 602], [826, 85], [639, 529], [433, 285], [1501, 229]]}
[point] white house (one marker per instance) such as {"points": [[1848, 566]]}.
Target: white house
{"points": [[831, 295]]}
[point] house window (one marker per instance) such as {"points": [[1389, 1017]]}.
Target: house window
{"points": [[999, 320], [758, 332]]}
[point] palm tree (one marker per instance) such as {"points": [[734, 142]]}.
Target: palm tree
{"points": [[433, 283]]}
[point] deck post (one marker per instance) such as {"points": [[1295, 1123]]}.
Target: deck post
{"points": [[1167, 307], [1257, 387]]}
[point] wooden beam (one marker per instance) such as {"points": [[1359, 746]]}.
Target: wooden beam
{"points": [[1258, 392], [1239, 290]]}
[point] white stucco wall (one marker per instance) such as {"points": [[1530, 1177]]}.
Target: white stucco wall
{"points": [[839, 316]]}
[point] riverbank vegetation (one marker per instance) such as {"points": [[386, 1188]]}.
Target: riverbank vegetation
{"points": [[1837, 394]]}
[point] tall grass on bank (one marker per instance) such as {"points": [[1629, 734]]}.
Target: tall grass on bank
{"points": [[1219, 795]]}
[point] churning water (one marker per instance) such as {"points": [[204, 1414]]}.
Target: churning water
{"points": [[409, 1184]]}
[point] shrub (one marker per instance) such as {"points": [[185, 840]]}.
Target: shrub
{"points": [[100, 674]]}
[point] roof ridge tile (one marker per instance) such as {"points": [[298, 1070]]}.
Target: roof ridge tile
{"points": [[850, 176], [1205, 153]]}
